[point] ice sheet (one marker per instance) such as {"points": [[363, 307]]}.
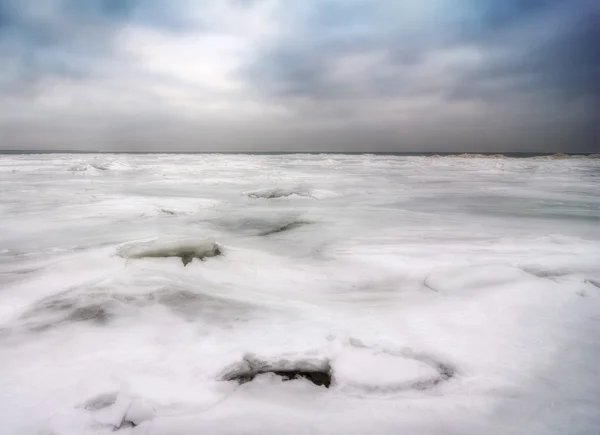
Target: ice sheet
{"points": [[447, 295]]}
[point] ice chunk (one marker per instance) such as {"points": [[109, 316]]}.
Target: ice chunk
{"points": [[85, 167], [185, 248], [558, 156], [480, 156], [102, 166], [317, 371], [278, 193]]}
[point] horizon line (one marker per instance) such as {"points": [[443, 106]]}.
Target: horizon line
{"points": [[34, 151]]}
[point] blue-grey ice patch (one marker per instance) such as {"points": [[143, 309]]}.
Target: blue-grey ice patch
{"points": [[261, 224], [185, 248]]}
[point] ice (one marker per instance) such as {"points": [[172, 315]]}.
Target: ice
{"points": [[184, 248], [317, 371], [440, 295], [372, 372], [278, 193]]}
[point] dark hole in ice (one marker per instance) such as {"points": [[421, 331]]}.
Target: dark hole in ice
{"points": [[317, 372], [319, 378]]}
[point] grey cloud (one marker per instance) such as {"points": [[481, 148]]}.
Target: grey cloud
{"points": [[70, 38], [555, 56], [507, 33], [341, 75]]}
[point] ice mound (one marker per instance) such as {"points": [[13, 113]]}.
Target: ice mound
{"points": [[272, 193], [102, 166], [557, 156], [480, 156], [86, 167], [317, 371], [185, 248]]}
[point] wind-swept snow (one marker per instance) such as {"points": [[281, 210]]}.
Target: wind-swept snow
{"points": [[386, 295]]}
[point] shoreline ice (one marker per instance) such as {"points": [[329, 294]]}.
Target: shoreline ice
{"points": [[385, 295]]}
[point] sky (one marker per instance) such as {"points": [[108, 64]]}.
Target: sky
{"points": [[310, 75]]}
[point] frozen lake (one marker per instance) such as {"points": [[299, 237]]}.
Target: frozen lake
{"points": [[176, 294]]}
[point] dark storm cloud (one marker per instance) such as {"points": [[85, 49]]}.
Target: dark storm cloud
{"points": [[490, 16], [545, 46], [562, 66], [548, 47]]}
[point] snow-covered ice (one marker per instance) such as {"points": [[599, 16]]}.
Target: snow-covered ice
{"points": [[437, 295]]}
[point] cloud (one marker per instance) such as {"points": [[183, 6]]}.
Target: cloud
{"points": [[502, 48], [348, 74], [71, 38]]}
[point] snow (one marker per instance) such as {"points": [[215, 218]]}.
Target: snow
{"points": [[445, 295]]}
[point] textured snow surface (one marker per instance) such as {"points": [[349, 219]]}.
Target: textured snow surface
{"points": [[442, 295]]}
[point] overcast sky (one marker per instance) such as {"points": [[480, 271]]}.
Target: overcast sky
{"points": [[300, 75]]}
